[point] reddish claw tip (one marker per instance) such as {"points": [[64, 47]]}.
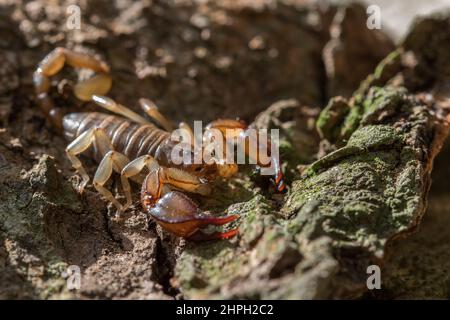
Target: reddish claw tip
{"points": [[201, 236], [228, 234], [279, 181], [281, 187], [218, 221], [279, 184], [278, 178]]}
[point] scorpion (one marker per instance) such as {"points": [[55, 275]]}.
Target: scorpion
{"points": [[128, 144]]}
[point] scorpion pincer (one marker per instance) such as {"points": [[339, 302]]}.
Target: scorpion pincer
{"points": [[128, 143]]}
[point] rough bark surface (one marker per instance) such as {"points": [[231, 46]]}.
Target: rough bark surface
{"points": [[358, 181]]}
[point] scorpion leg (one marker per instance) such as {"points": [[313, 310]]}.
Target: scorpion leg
{"points": [[176, 212], [111, 161], [82, 143], [111, 105], [132, 169], [152, 111]]}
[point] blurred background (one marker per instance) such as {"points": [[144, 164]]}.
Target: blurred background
{"points": [[397, 15]]}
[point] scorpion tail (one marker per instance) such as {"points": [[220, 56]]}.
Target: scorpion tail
{"points": [[52, 64]]}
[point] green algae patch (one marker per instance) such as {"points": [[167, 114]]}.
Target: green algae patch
{"points": [[367, 186], [384, 72], [351, 201], [374, 137], [330, 119], [370, 189], [340, 118]]}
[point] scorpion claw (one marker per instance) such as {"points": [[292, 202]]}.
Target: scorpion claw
{"points": [[178, 214]]}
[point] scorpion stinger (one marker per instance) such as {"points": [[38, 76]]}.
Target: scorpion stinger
{"points": [[52, 64]]}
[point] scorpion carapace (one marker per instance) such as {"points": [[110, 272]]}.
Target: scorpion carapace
{"points": [[128, 143]]}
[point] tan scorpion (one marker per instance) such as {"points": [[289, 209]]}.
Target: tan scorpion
{"points": [[117, 139]]}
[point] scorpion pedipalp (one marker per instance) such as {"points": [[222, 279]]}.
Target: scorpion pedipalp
{"points": [[253, 149], [178, 214]]}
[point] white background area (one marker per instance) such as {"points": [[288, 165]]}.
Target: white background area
{"points": [[397, 15]]}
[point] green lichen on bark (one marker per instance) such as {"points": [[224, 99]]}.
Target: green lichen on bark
{"points": [[371, 188], [352, 201], [330, 119]]}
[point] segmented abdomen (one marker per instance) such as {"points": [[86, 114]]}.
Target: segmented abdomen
{"points": [[127, 137]]}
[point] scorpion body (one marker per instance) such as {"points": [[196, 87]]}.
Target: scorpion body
{"points": [[129, 138], [128, 143]]}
